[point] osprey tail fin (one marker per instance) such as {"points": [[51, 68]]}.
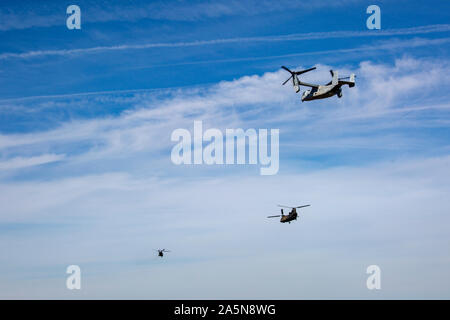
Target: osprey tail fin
{"points": [[334, 80]]}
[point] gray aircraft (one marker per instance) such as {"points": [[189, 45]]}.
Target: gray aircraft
{"points": [[289, 217], [317, 91]]}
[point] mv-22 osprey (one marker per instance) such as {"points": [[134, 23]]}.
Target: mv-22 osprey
{"points": [[289, 217], [320, 91]]}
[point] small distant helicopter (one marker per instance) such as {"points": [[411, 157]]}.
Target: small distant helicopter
{"points": [[161, 252], [289, 217], [334, 87]]}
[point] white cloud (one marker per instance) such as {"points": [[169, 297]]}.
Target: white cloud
{"points": [[21, 162], [385, 97]]}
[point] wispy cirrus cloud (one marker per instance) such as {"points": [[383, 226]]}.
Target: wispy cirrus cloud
{"points": [[290, 37], [385, 98], [27, 15], [387, 45], [23, 162]]}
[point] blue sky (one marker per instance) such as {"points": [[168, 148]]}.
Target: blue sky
{"points": [[85, 171]]}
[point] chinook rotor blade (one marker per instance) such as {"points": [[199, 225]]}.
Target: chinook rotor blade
{"points": [[293, 207]]}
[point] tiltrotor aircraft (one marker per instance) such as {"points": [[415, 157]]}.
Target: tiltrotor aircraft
{"points": [[317, 91]]}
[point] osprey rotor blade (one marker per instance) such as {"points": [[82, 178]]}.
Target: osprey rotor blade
{"points": [[287, 80], [303, 71], [286, 69], [295, 73]]}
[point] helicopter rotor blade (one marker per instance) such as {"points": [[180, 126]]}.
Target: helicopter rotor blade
{"points": [[293, 207], [295, 73], [287, 80], [274, 216], [303, 71], [287, 69], [298, 72]]}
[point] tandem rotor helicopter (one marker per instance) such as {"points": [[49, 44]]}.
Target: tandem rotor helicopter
{"points": [[289, 217], [318, 91]]}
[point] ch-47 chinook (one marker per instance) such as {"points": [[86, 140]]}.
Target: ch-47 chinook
{"points": [[334, 87], [161, 252], [289, 217]]}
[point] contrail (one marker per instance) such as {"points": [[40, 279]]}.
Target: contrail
{"points": [[290, 37]]}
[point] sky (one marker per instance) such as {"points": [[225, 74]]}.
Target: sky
{"points": [[86, 176]]}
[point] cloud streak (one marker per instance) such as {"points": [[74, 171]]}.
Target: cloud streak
{"points": [[29, 16], [21, 162], [291, 37]]}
